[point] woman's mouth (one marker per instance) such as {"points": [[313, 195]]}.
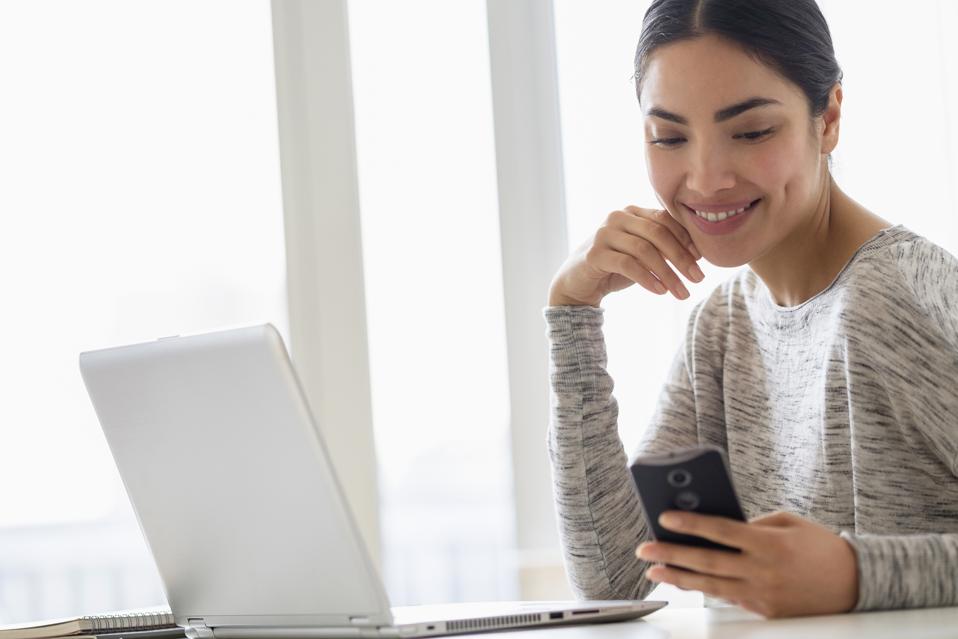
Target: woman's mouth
{"points": [[721, 222]]}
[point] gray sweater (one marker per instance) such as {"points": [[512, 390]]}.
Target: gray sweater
{"points": [[843, 409]]}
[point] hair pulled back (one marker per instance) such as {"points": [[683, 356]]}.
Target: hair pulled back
{"points": [[790, 36]]}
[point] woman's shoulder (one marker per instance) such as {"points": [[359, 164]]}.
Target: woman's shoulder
{"points": [[903, 282], [906, 268], [929, 272], [922, 262]]}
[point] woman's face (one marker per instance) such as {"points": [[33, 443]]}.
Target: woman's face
{"points": [[724, 130]]}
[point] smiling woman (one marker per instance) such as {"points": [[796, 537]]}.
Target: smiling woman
{"points": [[760, 161], [817, 369]]}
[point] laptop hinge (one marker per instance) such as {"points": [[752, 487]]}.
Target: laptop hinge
{"points": [[197, 629]]}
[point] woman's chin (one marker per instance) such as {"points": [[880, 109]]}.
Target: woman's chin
{"points": [[724, 260]]}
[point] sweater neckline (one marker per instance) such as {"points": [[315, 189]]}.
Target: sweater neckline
{"points": [[884, 237]]}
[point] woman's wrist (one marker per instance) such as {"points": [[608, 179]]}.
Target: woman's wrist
{"points": [[557, 298]]}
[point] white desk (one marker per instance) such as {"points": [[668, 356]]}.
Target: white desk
{"points": [[729, 623]]}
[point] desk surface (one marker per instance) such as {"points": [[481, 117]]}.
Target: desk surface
{"points": [[729, 623]]}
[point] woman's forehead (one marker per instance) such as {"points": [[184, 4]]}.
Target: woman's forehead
{"points": [[703, 75]]}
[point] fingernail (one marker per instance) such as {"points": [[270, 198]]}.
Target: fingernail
{"points": [[669, 520], [694, 251], [647, 554], [697, 274], [683, 292], [659, 288]]}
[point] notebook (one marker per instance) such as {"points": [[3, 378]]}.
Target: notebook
{"points": [[242, 511], [145, 624]]}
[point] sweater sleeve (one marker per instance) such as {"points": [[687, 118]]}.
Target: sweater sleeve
{"points": [[599, 515], [905, 571], [931, 273], [920, 570]]}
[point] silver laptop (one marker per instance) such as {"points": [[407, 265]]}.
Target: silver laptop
{"points": [[243, 514]]}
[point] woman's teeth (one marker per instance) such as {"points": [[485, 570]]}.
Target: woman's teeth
{"points": [[718, 217]]}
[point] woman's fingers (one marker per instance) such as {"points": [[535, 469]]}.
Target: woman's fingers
{"points": [[722, 587], [631, 246], [650, 243], [612, 261], [649, 257], [670, 237], [662, 217], [721, 563]]}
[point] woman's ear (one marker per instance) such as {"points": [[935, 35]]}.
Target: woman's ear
{"points": [[831, 118]]}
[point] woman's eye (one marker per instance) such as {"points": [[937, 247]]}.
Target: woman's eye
{"points": [[750, 135], [667, 142], [755, 135]]}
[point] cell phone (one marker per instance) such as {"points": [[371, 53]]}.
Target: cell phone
{"points": [[692, 479]]}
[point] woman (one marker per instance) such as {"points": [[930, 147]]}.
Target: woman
{"points": [[825, 370]]}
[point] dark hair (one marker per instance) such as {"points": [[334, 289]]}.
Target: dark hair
{"points": [[790, 36]]}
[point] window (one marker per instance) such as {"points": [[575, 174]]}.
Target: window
{"points": [[426, 165], [898, 153], [141, 198]]}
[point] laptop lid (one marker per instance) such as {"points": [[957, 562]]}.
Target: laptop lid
{"points": [[231, 484]]}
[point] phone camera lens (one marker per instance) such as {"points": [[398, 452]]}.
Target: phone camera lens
{"points": [[679, 478], [687, 500]]}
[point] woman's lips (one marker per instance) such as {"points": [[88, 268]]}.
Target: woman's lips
{"points": [[727, 225], [719, 208]]}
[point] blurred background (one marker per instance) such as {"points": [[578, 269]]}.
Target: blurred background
{"points": [[141, 196]]}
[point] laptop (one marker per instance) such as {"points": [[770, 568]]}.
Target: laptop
{"points": [[234, 492]]}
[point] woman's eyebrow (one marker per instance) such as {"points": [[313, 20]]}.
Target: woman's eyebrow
{"points": [[721, 115]]}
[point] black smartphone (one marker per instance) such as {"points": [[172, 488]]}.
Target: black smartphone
{"points": [[693, 479]]}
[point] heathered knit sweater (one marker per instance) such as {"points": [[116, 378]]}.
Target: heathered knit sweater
{"points": [[843, 409]]}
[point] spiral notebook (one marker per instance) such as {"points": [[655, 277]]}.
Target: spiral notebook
{"points": [[152, 623]]}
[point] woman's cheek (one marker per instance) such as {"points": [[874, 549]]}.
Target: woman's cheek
{"points": [[665, 176], [775, 162]]}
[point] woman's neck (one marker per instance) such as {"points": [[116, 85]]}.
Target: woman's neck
{"points": [[809, 259]]}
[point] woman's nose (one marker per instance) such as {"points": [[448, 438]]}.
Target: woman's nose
{"points": [[710, 170]]}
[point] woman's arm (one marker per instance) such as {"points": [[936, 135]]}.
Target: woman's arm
{"points": [[600, 519], [906, 571], [921, 570]]}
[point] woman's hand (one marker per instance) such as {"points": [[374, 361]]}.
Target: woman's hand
{"points": [[789, 566], [630, 247]]}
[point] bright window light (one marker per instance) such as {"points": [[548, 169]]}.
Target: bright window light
{"points": [[141, 198]]}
